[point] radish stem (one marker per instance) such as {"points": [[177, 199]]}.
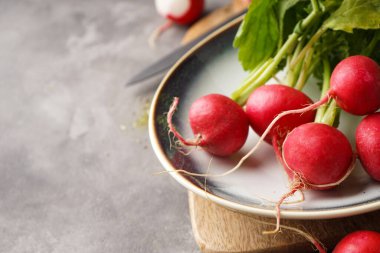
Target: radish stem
{"points": [[330, 114], [241, 95], [293, 73], [304, 74], [308, 46], [325, 86]]}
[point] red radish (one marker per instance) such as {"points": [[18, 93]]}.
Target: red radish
{"points": [[320, 156], [368, 144], [315, 156], [182, 12], [363, 241], [355, 85], [266, 102], [219, 124]]}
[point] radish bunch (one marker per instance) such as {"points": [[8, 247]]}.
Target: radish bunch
{"points": [[319, 155], [315, 155], [307, 38], [279, 114]]}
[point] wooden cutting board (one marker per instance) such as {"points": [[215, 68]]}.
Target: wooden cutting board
{"points": [[217, 229]]}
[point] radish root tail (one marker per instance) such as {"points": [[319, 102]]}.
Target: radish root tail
{"points": [[157, 32], [298, 185], [277, 147], [173, 130], [205, 182], [318, 245]]}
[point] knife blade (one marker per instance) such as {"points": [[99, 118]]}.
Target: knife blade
{"points": [[163, 64]]}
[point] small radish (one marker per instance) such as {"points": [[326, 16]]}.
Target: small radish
{"points": [[320, 156], [267, 101], [219, 124], [182, 12], [368, 144], [363, 241], [355, 85], [316, 156]]}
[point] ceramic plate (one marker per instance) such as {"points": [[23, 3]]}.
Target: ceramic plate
{"points": [[212, 67]]}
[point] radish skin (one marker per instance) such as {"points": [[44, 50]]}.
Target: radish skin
{"points": [[219, 124], [315, 156], [368, 144], [362, 241], [318, 154], [182, 12], [355, 85], [267, 101]]}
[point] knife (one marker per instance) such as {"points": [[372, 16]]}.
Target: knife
{"points": [[167, 61]]}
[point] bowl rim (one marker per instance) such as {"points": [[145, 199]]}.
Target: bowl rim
{"points": [[287, 214]]}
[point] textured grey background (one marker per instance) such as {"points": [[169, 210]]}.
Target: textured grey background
{"points": [[75, 169]]}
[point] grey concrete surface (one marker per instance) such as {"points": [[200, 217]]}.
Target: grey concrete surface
{"points": [[76, 163]]}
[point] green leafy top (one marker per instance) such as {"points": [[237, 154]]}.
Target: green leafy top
{"points": [[268, 23], [300, 35], [258, 34], [355, 14]]}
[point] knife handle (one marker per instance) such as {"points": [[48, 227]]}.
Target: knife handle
{"points": [[215, 18]]}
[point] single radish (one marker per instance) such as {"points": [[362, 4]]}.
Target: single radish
{"points": [[318, 155], [362, 241], [267, 101], [368, 144], [355, 85], [219, 124], [182, 12]]}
